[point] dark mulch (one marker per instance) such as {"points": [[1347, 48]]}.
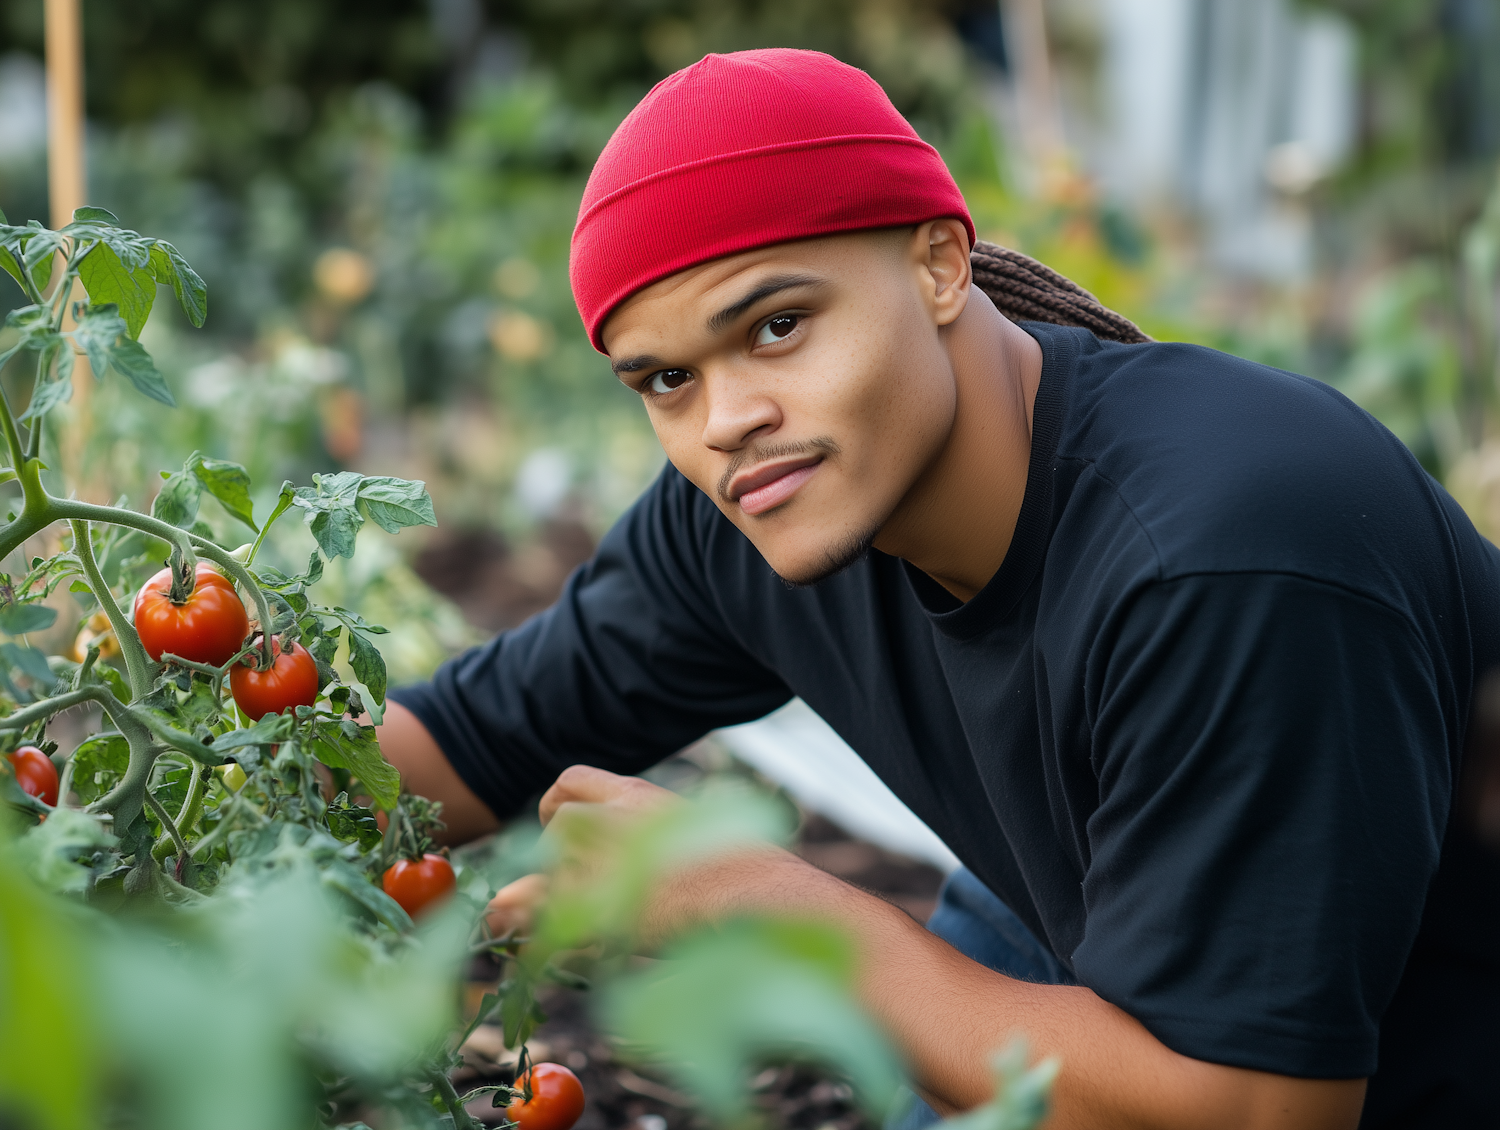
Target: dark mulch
{"points": [[624, 1095]]}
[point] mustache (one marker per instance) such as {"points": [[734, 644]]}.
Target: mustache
{"points": [[762, 453]]}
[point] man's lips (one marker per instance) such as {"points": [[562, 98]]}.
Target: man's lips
{"points": [[772, 484]]}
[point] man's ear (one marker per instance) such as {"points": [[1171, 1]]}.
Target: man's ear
{"points": [[942, 247]]}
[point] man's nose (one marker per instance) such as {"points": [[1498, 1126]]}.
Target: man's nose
{"points": [[737, 414]]}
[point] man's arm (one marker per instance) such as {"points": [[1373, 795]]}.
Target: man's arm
{"points": [[425, 771], [949, 1013]]}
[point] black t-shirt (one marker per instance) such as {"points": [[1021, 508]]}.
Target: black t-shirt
{"points": [[1200, 731]]}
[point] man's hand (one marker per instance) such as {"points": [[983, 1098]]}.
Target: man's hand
{"points": [[585, 785], [583, 791]]}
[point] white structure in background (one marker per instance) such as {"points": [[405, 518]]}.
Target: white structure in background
{"points": [[1233, 108], [23, 107], [799, 751]]}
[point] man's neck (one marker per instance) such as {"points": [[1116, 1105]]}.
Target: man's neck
{"points": [[957, 521]]}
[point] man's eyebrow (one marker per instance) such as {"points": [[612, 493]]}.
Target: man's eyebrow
{"points": [[636, 364], [773, 285]]}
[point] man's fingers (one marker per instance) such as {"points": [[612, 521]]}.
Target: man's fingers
{"points": [[513, 909], [585, 785]]}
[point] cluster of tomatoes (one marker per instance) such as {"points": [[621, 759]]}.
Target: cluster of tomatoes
{"points": [[209, 626]]}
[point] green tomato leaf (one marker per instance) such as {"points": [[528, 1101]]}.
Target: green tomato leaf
{"points": [[732, 996], [348, 745], [171, 268], [47, 396], [18, 619], [89, 214], [353, 824], [519, 1012], [339, 876], [335, 530], [29, 662], [395, 503], [134, 251], [272, 730], [37, 257], [98, 330], [369, 667], [355, 620], [228, 482], [98, 764], [177, 502], [48, 1034], [131, 361], [108, 280], [330, 512], [12, 268]]}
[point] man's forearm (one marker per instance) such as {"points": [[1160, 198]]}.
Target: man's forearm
{"points": [[949, 1013], [425, 771]]}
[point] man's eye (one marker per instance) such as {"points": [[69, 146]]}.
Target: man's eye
{"points": [[776, 329], [667, 380]]}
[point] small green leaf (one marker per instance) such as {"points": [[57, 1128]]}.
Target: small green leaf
{"points": [[97, 764], [89, 214], [177, 501], [18, 619], [269, 731], [131, 361], [393, 503], [46, 397], [171, 268], [347, 745], [98, 330], [29, 662], [12, 268], [108, 280], [369, 667], [228, 482]]}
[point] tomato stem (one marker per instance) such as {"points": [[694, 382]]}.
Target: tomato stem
{"points": [[462, 1119], [167, 822], [138, 664], [187, 816]]}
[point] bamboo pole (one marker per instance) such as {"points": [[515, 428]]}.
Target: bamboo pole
{"points": [[67, 190], [65, 153]]}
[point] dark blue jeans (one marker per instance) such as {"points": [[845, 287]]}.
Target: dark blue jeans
{"points": [[971, 919]]}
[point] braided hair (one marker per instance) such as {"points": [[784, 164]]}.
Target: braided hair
{"points": [[1025, 290]]}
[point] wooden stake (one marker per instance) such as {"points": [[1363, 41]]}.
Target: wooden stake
{"points": [[65, 171], [67, 190]]}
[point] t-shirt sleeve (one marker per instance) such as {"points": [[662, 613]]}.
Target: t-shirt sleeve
{"points": [[1274, 782], [633, 662]]}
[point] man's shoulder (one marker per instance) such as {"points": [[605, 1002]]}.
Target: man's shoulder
{"points": [[1228, 465]]}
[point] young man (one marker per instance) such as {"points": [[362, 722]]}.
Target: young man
{"points": [[1175, 651]]}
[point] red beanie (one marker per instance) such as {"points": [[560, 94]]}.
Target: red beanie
{"points": [[745, 150]]}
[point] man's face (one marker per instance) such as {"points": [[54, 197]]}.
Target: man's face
{"points": [[804, 387]]}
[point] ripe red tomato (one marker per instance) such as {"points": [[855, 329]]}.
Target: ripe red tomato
{"points": [[418, 883], [556, 1099], [209, 627], [35, 773], [291, 681]]}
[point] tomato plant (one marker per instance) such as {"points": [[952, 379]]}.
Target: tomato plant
{"points": [[551, 1099], [290, 681], [35, 773], [204, 621]]}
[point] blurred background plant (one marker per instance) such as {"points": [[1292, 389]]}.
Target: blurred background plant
{"points": [[380, 196]]}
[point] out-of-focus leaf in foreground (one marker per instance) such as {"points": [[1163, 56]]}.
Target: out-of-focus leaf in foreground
{"points": [[1022, 1094], [725, 1001], [626, 861], [45, 1044]]}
